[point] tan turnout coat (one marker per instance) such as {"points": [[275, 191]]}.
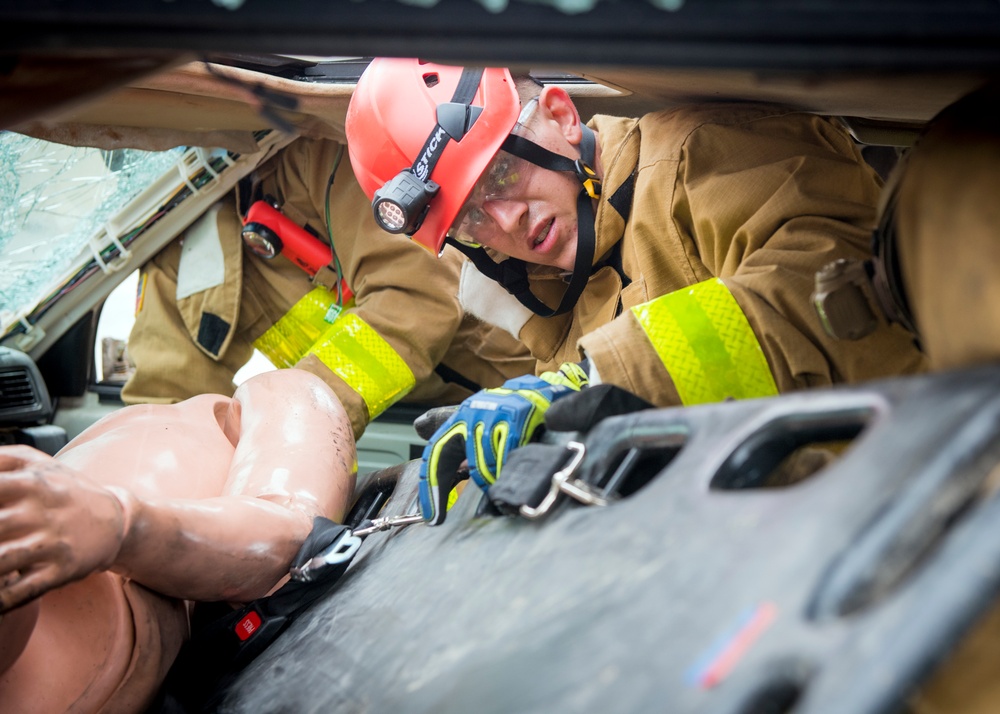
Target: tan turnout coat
{"points": [[407, 295], [757, 196]]}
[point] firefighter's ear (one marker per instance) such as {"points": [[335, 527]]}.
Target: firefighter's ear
{"points": [[556, 106]]}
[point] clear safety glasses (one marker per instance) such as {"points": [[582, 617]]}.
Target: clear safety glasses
{"points": [[504, 175]]}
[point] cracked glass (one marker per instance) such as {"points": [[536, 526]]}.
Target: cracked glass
{"points": [[54, 200]]}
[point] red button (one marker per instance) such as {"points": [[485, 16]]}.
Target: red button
{"points": [[247, 626]]}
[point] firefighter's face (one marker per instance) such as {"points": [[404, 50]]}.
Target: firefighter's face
{"points": [[523, 210]]}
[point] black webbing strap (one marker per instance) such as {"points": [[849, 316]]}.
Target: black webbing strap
{"points": [[588, 145], [527, 477], [538, 155], [467, 85], [443, 130], [219, 649], [528, 471]]}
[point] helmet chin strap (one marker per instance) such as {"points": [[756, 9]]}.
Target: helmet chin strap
{"points": [[512, 273]]}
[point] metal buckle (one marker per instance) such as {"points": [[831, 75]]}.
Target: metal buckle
{"points": [[346, 546], [340, 551], [562, 484]]}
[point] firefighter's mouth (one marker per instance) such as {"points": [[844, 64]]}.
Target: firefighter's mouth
{"points": [[542, 234]]}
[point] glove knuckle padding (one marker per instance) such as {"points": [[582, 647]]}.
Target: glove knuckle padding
{"points": [[482, 459]]}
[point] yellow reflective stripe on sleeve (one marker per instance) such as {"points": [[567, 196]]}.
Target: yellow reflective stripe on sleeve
{"points": [[289, 339], [706, 343], [362, 358]]}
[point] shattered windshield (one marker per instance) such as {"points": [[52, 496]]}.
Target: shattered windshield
{"points": [[55, 200]]}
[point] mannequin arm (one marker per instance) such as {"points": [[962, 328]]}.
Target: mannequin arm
{"points": [[293, 459]]}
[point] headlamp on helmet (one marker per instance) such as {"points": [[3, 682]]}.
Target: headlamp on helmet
{"points": [[401, 204]]}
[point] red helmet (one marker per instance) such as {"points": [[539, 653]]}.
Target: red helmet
{"points": [[395, 116]]}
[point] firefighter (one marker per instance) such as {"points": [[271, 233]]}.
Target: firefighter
{"points": [[939, 221], [671, 255], [369, 322], [942, 215]]}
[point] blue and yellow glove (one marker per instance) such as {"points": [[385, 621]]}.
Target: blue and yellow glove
{"points": [[484, 429]]}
